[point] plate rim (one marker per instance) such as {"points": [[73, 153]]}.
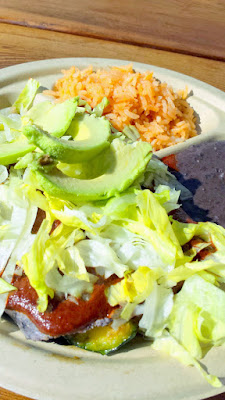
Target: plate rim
{"points": [[31, 64]]}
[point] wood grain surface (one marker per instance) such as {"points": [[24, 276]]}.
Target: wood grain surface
{"points": [[192, 27], [7, 395], [19, 44]]}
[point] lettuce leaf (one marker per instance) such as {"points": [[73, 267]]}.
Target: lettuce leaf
{"points": [[196, 323], [198, 315], [214, 262], [154, 225], [17, 216], [67, 285], [133, 250], [3, 173], [131, 132], [167, 197], [98, 110], [10, 126], [48, 253], [37, 262], [87, 217], [26, 97], [100, 255], [157, 173], [156, 310], [132, 290], [168, 344], [5, 287]]}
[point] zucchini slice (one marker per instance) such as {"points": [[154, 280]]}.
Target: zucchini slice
{"points": [[104, 339]]}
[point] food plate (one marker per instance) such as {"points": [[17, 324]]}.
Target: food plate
{"points": [[48, 371]]}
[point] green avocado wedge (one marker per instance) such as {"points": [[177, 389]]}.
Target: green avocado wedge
{"points": [[91, 137], [125, 162], [53, 118], [11, 152]]}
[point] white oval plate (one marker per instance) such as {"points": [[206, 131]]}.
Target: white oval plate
{"points": [[47, 371]]}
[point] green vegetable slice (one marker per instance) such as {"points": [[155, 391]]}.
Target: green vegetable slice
{"points": [[53, 118], [11, 152], [91, 137], [104, 339], [125, 164]]}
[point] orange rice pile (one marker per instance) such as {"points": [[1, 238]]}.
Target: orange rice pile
{"points": [[162, 116]]}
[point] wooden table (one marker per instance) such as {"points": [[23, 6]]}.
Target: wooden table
{"points": [[186, 36]]}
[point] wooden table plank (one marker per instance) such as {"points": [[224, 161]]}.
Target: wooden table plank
{"points": [[20, 44], [7, 395], [191, 27]]}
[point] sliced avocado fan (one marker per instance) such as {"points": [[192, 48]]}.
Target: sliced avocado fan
{"points": [[53, 118], [125, 163], [91, 137], [11, 152]]}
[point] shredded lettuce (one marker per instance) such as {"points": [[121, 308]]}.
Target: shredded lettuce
{"points": [[99, 254], [157, 308], [157, 173], [5, 287], [26, 97], [167, 197], [67, 285], [154, 225], [10, 125], [85, 217], [83, 106], [50, 252], [73, 265], [38, 262], [98, 110], [198, 315], [132, 290], [132, 250], [17, 216], [167, 344], [131, 133], [213, 263], [3, 173], [196, 323]]}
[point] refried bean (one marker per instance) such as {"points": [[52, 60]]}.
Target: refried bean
{"points": [[201, 168]]}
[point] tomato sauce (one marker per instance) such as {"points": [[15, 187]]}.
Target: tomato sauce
{"points": [[170, 161], [202, 254], [62, 316]]}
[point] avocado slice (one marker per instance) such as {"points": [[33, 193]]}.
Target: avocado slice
{"points": [[11, 152], [53, 118], [125, 162], [91, 137]]}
